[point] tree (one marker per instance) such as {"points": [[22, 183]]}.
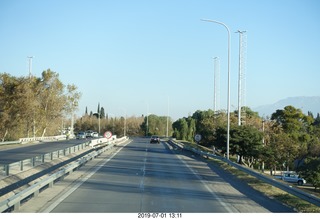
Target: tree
{"points": [[310, 171], [50, 100], [98, 110], [155, 125], [72, 101], [246, 142], [180, 128], [297, 127], [102, 113], [31, 105]]}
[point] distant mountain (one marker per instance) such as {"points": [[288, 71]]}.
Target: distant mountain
{"points": [[306, 104]]}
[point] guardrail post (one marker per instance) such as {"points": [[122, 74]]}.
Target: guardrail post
{"points": [[21, 165], [42, 158], [51, 156], [64, 152], [33, 161], [6, 168]]}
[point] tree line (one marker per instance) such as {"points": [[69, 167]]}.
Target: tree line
{"points": [[131, 126], [35, 106], [288, 140]]}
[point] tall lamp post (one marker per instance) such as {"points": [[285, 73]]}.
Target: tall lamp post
{"points": [[228, 125]]}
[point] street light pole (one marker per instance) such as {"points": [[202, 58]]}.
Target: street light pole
{"points": [[229, 48]]}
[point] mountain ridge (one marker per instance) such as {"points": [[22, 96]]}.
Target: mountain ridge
{"points": [[305, 103]]}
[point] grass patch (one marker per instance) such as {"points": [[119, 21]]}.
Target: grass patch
{"points": [[269, 190]]}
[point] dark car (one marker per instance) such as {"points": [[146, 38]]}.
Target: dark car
{"points": [[154, 139], [81, 135]]}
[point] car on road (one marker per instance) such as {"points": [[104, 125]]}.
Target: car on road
{"points": [[293, 177], [81, 135], [95, 134], [89, 133], [154, 139]]}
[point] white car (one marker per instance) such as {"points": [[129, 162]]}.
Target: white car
{"points": [[293, 177], [89, 133]]}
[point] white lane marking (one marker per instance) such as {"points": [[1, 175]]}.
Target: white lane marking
{"points": [[205, 183], [143, 170], [69, 192]]}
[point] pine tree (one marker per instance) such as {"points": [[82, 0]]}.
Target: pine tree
{"points": [[102, 113]]}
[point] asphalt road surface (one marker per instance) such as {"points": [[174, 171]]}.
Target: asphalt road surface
{"points": [[18, 153], [144, 177]]}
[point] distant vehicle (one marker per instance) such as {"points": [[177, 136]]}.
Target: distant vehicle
{"points": [[95, 134], [89, 134], [293, 177], [154, 139], [81, 135]]}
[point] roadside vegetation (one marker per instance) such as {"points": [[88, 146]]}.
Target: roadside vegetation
{"points": [[44, 106], [289, 140], [290, 200], [35, 106]]}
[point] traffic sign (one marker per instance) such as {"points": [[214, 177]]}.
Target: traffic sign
{"points": [[107, 134], [197, 137]]}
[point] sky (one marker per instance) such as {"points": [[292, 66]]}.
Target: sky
{"points": [[156, 57]]}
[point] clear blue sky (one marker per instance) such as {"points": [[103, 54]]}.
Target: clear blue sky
{"points": [[138, 56]]}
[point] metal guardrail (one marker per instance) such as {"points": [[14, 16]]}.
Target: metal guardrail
{"points": [[294, 191], [14, 202], [26, 140], [22, 165], [9, 142]]}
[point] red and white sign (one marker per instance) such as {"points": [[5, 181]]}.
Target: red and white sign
{"points": [[107, 134]]}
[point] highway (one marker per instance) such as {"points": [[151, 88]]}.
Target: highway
{"points": [[16, 153], [144, 177]]}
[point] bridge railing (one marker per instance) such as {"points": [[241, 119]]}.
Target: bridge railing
{"points": [[14, 201], [32, 139], [22, 165]]}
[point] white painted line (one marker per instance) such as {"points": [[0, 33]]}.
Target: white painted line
{"points": [[69, 192], [205, 183]]}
